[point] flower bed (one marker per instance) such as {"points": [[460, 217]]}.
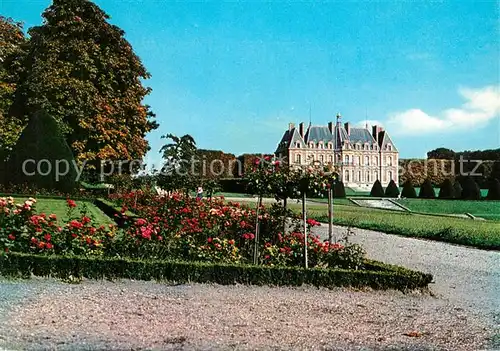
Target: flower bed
{"points": [[197, 240]]}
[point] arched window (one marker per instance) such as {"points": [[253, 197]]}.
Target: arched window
{"points": [[298, 145], [298, 158], [321, 159], [390, 160], [311, 145], [330, 146], [367, 160], [347, 176], [346, 159]]}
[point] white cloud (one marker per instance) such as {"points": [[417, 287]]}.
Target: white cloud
{"points": [[370, 122], [481, 106]]}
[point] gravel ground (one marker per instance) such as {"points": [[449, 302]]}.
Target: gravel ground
{"points": [[462, 314], [128, 315]]}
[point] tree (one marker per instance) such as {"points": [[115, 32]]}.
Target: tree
{"points": [[408, 190], [494, 190], [392, 189], [82, 71], [339, 189], [427, 190], [41, 157], [471, 190], [457, 190], [12, 51], [446, 190], [377, 189], [441, 154], [177, 171]]}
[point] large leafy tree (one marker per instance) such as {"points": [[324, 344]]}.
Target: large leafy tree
{"points": [[82, 71], [12, 50]]}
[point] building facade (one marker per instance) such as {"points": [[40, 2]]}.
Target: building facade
{"points": [[360, 155]]}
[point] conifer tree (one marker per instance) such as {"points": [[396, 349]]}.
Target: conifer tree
{"points": [[446, 190], [427, 190], [408, 190], [392, 189], [377, 189]]}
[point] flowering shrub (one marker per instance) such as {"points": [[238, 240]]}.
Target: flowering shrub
{"points": [[23, 230]]}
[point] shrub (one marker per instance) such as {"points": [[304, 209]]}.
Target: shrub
{"points": [[339, 189], [376, 275], [392, 189], [233, 185], [377, 190], [427, 190], [471, 190], [446, 190], [42, 140], [457, 190], [494, 190], [408, 190]]}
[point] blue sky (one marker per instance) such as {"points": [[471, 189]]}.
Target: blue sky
{"points": [[234, 74]]}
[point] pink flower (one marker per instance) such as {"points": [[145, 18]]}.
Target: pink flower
{"points": [[209, 240], [140, 222]]}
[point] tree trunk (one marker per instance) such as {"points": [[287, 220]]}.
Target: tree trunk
{"points": [[330, 216], [256, 242], [304, 215]]}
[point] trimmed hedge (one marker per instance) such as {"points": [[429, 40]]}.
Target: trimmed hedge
{"points": [[408, 190], [379, 275], [392, 189], [377, 189]]}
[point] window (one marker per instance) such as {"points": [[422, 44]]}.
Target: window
{"points": [[389, 147], [367, 177], [346, 159], [330, 159], [375, 160], [311, 145], [297, 158], [298, 145], [367, 160], [376, 176], [390, 160], [321, 159], [330, 146], [347, 176], [367, 147], [320, 145], [359, 176], [356, 160]]}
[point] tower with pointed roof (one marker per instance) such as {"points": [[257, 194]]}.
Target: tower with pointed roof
{"points": [[360, 155]]}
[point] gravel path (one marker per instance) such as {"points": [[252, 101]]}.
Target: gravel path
{"points": [[463, 314], [128, 315], [463, 275]]}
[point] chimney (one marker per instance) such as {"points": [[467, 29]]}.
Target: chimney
{"points": [[376, 132], [330, 127], [291, 126], [301, 129], [347, 127]]}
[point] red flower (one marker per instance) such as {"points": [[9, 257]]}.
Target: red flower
{"points": [[209, 240], [41, 245], [86, 220], [47, 237], [34, 241], [71, 203], [140, 222], [231, 242], [75, 224], [53, 217], [49, 246], [6, 249], [11, 237]]}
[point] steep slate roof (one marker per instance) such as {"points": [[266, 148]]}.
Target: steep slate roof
{"points": [[361, 135], [318, 133], [385, 139]]}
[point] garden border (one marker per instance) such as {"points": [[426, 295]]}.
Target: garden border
{"points": [[379, 276]]}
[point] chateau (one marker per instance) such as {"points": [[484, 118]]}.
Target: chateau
{"points": [[360, 155]]}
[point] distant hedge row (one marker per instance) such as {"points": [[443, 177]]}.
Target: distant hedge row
{"points": [[376, 275]]}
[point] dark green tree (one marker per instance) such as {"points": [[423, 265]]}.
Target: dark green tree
{"points": [[427, 190], [392, 189], [446, 190], [41, 157], [494, 190], [457, 189], [442, 154], [12, 52], [408, 190], [377, 189], [339, 189], [82, 71], [471, 190]]}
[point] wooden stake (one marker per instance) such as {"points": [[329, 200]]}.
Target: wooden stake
{"points": [[305, 228]]}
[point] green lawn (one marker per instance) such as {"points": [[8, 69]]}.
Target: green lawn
{"points": [[481, 234], [484, 209], [59, 208]]}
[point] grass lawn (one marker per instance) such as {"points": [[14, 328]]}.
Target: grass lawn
{"points": [[481, 234], [59, 208], [484, 209]]}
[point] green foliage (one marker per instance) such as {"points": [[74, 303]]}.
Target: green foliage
{"points": [[12, 51], [471, 190], [446, 190], [427, 190], [43, 143], [378, 275], [392, 189], [457, 190], [339, 189], [377, 189], [494, 190], [83, 72], [441, 154], [408, 190]]}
